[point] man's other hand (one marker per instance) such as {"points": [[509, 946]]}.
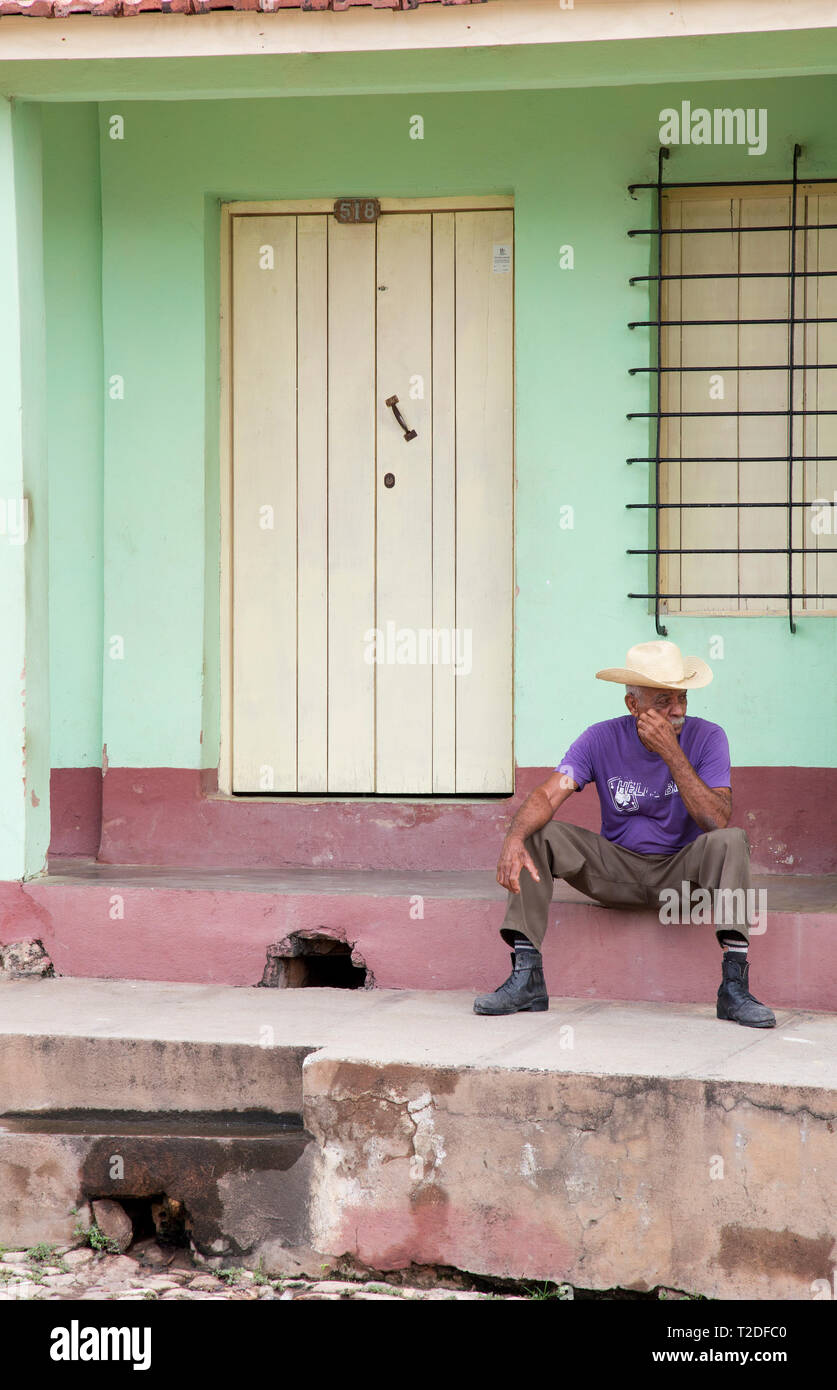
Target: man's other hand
{"points": [[513, 859]]}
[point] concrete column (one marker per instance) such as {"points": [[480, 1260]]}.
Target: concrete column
{"points": [[24, 554]]}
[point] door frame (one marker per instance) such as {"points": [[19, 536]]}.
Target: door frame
{"points": [[294, 207]]}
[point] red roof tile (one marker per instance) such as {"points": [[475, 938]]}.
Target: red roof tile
{"points": [[60, 9]]}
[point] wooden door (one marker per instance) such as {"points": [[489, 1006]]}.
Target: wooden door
{"points": [[372, 575]]}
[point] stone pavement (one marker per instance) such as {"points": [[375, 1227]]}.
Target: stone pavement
{"points": [[154, 1271]]}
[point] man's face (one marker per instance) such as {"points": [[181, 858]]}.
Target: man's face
{"points": [[671, 704]]}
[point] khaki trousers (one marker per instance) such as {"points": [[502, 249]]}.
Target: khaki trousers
{"points": [[718, 859]]}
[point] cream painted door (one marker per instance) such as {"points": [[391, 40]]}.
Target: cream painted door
{"points": [[371, 575]]}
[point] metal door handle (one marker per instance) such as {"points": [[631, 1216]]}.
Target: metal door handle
{"points": [[392, 402]]}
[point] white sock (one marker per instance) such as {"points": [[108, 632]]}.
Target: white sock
{"points": [[522, 944]]}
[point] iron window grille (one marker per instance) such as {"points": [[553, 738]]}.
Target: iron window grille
{"points": [[795, 376]]}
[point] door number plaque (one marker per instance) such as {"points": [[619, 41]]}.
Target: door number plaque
{"points": [[357, 209]]}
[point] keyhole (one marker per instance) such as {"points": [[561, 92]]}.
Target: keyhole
{"points": [[389, 480]]}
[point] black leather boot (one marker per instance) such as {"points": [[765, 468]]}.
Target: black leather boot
{"points": [[735, 1002], [523, 992]]}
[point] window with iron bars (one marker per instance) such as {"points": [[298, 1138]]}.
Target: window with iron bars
{"points": [[743, 439]]}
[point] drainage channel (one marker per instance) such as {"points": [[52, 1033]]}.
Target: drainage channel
{"points": [[198, 1124], [225, 1180]]}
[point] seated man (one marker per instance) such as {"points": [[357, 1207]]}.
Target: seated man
{"points": [[663, 781]]}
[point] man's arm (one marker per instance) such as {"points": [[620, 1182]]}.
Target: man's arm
{"points": [[537, 810], [709, 807]]}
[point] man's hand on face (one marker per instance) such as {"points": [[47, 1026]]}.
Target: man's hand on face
{"points": [[657, 733], [513, 859]]}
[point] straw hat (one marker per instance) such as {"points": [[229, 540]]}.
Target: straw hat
{"points": [[660, 664]]}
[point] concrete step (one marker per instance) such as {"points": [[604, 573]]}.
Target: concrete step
{"points": [[605, 1145], [410, 930]]}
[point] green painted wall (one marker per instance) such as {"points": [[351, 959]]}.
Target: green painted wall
{"points": [[567, 156], [72, 277], [24, 552]]}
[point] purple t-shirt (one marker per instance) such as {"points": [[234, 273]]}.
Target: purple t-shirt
{"points": [[642, 809]]}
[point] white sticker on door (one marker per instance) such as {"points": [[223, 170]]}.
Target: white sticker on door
{"points": [[502, 258]]}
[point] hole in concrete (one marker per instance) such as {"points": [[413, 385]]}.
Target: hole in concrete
{"points": [[312, 961], [160, 1218], [171, 1221]]}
